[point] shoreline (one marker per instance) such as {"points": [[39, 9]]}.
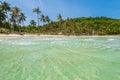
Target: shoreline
{"points": [[42, 35]]}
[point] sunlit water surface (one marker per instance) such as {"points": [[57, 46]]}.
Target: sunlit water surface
{"points": [[59, 58]]}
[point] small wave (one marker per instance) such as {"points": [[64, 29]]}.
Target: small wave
{"points": [[111, 39], [88, 39], [58, 42], [52, 39], [22, 43]]}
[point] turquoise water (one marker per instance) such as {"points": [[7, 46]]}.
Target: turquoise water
{"points": [[59, 58]]}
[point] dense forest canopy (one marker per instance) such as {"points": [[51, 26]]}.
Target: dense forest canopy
{"points": [[12, 21]]}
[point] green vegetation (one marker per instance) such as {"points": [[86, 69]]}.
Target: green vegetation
{"points": [[84, 26], [12, 21]]}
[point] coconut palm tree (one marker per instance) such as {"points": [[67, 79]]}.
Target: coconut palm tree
{"points": [[32, 23], [15, 12], [42, 18], [59, 17], [6, 8], [22, 18], [2, 17], [47, 19], [37, 11]]}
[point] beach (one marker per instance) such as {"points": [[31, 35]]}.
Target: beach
{"points": [[35, 35]]}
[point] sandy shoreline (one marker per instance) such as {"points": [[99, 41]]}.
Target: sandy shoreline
{"points": [[26, 35], [35, 35]]}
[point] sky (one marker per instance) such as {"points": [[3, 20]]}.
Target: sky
{"points": [[68, 8]]}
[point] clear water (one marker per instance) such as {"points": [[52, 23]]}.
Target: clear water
{"points": [[59, 58]]}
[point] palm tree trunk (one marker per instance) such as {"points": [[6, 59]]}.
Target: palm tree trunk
{"points": [[38, 20]]}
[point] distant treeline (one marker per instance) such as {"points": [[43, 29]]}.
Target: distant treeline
{"points": [[12, 21], [84, 26]]}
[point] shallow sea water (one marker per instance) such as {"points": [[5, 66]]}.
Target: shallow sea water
{"points": [[59, 58]]}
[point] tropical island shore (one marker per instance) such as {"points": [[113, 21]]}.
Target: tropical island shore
{"points": [[45, 35], [12, 24]]}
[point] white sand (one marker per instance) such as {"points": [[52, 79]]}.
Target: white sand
{"points": [[35, 35], [27, 35]]}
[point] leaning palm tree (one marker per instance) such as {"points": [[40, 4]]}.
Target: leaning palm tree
{"points": [[22, 18], [15, 12], [6, 8], [2, 14], [2, 17], [47, 19], [37, 11], [59, 17], [42, 18]]}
